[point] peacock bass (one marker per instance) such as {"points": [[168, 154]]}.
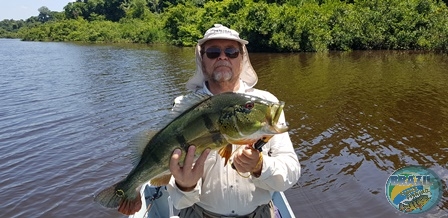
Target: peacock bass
{"points": [[205, 121]]}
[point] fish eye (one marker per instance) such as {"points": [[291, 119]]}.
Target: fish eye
{"points": [[249, 105]]}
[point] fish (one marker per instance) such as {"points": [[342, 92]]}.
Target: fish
{"points": [[205, 121], [418, 202]]}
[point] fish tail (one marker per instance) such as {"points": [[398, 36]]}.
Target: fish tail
{"points": [[114, 197], [130, 206], [109, 197]]}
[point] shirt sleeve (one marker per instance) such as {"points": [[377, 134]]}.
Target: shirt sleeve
{"points": [[183, 199]]}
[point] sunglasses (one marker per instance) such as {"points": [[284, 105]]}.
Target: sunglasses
{"points": [[214, 52]]}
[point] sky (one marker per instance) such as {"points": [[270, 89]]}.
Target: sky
{"points": [[24, 9]]}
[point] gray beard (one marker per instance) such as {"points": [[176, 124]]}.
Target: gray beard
{"points": [[222, 76]]}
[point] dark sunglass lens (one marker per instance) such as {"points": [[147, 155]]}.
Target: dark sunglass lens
{"points": [[232, 52], [213, 53]]}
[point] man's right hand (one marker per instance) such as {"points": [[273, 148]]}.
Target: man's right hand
{"points": [[187, 176]]}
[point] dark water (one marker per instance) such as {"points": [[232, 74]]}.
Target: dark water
{"points": [[67, 112]]}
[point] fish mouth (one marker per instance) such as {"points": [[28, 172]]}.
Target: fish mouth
{"points": [[274, 115]]}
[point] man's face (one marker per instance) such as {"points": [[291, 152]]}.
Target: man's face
{"points": [[221, 69]]}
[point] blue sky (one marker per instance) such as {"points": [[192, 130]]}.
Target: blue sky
{"points": [[24, 9]]}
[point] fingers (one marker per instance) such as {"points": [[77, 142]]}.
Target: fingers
{"points": [[189, 158], [199, 164], [187, 176], [175, 168], [246, 159], [174, 162], [247, 155]]}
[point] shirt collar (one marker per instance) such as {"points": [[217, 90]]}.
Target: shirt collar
{"points": [[242, 89]]}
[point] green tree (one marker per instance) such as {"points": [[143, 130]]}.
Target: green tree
{"points": [[138, 9], [74, 10], [44, 14], [182, 24], [95, 10], [114, 10], [257, 27], [271, 25]]}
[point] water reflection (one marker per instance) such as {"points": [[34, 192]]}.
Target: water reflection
{"points": [[357, 117], [69, 110]]}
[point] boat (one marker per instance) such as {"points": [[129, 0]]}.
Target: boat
{"points": [[156, 203]]}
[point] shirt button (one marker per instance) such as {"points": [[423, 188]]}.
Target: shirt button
{"points": [[231, 186], [233, 211]]}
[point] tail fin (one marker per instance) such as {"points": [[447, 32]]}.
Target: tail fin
{"points": [[113, 198], [109, 197], [130, 206]]}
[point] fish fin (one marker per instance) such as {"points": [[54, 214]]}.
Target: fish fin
{"points": [[212, 140], [138, 144], [108, 197], [113, 198], [182, 104], [185, 102], [161, 179], [226, 152], [189, 100], [130, 206]]}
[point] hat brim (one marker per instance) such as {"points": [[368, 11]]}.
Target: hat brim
{"points": [[223, 36]]}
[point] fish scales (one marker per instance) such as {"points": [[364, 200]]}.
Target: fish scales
{"points": [[210, 122]]}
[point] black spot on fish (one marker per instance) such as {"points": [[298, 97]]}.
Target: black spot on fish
{"points": [[181, 139], [208, 123]]}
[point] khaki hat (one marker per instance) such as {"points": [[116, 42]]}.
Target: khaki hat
{"points": [[219, 31]]}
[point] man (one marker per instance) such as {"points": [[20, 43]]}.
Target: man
{"points": [[206, 188]]}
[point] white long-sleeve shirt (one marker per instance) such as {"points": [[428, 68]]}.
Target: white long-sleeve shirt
{"points": [[222, 190]]}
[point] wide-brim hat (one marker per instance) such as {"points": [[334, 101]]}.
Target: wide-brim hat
{"points": [[219, 31]]}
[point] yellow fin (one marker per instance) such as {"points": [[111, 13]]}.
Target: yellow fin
{"points": [[226, 152], [161, 180]]}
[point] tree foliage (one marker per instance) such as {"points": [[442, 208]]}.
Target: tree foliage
{"points": [[271, 25]]}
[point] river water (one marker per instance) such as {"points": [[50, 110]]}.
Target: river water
{"points": [[68, 111]]}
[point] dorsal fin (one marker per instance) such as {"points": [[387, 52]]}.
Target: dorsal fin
{"points": [[181, 104], [138, 144], [184, 102]]}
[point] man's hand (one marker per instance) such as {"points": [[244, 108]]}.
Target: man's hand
{"points": [[187, 176], [246, 159]]}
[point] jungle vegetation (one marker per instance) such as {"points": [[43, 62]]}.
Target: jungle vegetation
{"points": [[274, 26]]}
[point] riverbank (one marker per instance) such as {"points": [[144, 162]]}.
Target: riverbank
{"points": [[270, 27]]}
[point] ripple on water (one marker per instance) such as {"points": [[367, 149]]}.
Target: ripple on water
{"points": [[69, 111]]}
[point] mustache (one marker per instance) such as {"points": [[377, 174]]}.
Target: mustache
{"points": [[222, 63]]}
